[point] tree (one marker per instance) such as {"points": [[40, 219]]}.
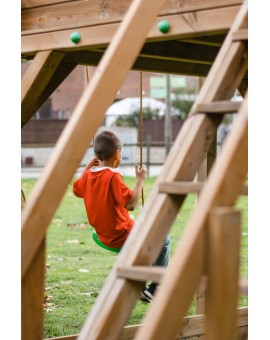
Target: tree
{"points": [[133, 119], [183, 101]]}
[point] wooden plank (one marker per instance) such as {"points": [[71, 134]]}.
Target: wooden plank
{"points": [[87, 117], [180, 188], [32, 291], [212, 20], [44, 17], [223, 239], [36, 79], [192, 326], [141, 273], [221, 106], [240, 35], [39, 3], [183, 188]]}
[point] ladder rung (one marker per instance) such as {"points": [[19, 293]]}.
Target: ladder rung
{"points": [[240, 35], [180, 188], [222, 106], [184, 188], [141, 273]]}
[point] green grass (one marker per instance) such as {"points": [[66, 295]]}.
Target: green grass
{"points": [[77, 268]]}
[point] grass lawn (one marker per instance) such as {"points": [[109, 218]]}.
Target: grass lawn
{"points": [[77, 267]]}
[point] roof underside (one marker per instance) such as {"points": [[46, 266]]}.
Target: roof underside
{"points": [[197, 30]]}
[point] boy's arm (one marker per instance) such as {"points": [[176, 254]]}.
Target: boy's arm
{"points": [[141, 175]]}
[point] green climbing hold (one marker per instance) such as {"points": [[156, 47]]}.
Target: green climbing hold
{"points": [[75, 37], [164, 26]]}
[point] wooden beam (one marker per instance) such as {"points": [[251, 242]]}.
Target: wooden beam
{"points": [[193, 326], [32, 297], [141, 273], [36, 80], [44, 16], [79, 131], [222, 106], [241, 35], [184, 188], [182, 26], [223, 185], [223, 239], [61, 73]]}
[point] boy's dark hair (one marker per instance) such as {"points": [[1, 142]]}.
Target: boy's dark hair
{"points": [[106, 144]]}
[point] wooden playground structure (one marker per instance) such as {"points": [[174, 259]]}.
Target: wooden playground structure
{"points": [[201, 38]]}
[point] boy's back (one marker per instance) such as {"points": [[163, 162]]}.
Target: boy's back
{"points": [[105, 197]]}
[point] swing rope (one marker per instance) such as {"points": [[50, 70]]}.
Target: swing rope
{"points": [[141, 131]]}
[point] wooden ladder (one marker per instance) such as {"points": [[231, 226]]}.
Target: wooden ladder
{"points": [[210, 244]]}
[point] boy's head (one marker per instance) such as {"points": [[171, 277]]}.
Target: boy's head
{"points": [[106, 144]]}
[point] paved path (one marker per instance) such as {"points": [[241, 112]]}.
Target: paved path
{"points": [[35, 172]]}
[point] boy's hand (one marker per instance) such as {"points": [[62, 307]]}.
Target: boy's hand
{"points": [[93, 162], [140, 171]]}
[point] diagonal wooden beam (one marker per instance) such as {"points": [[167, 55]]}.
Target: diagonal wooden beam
{"points": [[36, 79], [85, 120], [145, 241], [179, 283]]}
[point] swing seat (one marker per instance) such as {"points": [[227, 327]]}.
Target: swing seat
{"points": [[102, 245]]}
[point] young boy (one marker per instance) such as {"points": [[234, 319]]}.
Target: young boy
{"points": [[107, 199]]}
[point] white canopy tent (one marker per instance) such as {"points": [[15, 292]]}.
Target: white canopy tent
{"points": [[128, 106]]}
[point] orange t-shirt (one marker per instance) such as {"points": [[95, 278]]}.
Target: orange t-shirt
{"points": [[105, 197]]}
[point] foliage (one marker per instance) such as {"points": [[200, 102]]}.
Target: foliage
{"points": [[181, 102], [132, 120], [77, 268]]}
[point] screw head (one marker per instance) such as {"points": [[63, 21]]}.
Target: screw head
{"points": [[75, 37], [164, 26]]}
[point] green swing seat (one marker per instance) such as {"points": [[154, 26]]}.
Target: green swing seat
{"points": [[102, 245]]}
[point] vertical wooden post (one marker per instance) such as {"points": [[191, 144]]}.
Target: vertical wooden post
{"points": [[32, 297], [223, 240], [202, 176]]}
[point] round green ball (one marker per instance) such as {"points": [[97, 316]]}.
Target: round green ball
{"points": [[164, 26], [75, 37]]}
